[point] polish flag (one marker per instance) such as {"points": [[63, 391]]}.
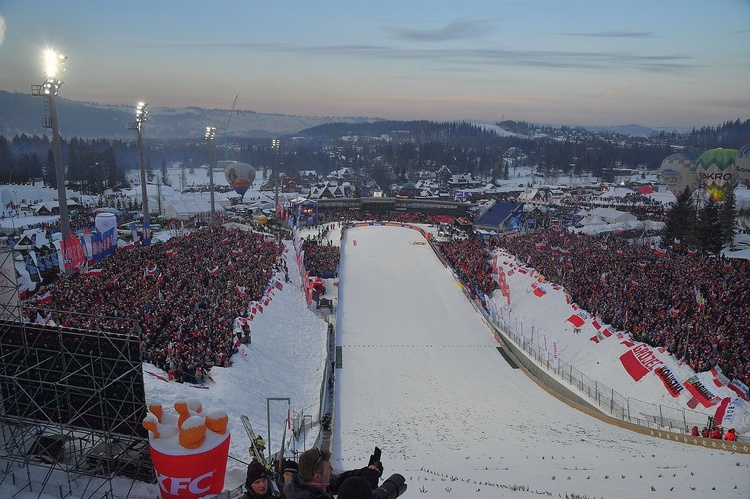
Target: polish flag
{"points": [[44, 299], [214, 270]]}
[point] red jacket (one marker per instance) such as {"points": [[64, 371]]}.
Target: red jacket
{"points": [[730, 436]]}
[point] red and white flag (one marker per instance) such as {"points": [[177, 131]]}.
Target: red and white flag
{"points": [[576, 320], [214, 270], [44, 298]]}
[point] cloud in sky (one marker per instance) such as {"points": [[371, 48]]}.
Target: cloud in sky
{"points": [[614, 34], [560, 59], [459, 29]]}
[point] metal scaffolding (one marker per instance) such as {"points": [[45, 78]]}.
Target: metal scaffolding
{"points": [[72, 405]]}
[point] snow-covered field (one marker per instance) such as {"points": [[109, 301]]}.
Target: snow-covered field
{"points": [[421, 377]]}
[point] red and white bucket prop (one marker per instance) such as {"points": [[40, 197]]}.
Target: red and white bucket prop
{"points": [[189, 449], [182, 476]]}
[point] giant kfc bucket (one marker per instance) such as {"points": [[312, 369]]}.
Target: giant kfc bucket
{"points": [[189, 450]]}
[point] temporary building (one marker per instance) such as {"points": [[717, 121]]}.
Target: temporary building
{"points": [[187, 209], [611, 216]]}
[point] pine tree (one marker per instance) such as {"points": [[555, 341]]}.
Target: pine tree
{"points": [[165, 174], [728, 219], [680, 221], [709, 231]]}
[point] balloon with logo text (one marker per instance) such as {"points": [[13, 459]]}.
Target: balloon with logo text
{"points": [[717, 172], [240, 176], [742, 162], [678, 171]]}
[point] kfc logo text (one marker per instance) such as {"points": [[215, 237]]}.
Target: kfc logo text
{"points": [[173, 486]]}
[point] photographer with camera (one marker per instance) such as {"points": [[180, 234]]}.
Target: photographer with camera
{"points": [[315, 477], [356, 487]]}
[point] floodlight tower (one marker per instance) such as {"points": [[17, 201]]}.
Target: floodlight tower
{"points": [[53, 71], [210, 134], [141, 111], [275, 143]]}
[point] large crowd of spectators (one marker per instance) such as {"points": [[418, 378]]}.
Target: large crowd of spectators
{"points": [[695, 306], [469, 258], [321, 260], [182, 295]]}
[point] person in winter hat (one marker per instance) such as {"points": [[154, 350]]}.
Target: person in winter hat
{"points": [[258, 486], [288, 469]]}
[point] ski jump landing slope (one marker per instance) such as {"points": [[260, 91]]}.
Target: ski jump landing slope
{"points": [[421, 377]]}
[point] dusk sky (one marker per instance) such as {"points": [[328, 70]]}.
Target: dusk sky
{"points": [[656, 63]]}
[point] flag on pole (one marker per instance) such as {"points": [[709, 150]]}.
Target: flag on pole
{"points": [[44, 298]]}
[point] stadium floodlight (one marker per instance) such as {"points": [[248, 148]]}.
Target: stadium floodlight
{"points": [[209, 136], [53, 69], [141, 111]]}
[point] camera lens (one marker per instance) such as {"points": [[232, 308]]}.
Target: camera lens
{"points": [[394, 486]]}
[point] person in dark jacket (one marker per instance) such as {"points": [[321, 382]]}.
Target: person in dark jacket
{"points": [[286, 472], [258, 486], [315, 478], [355, 487]]}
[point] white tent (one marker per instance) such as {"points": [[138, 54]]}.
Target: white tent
{"points": [[591, 220], [186, 209], [611, 216]]}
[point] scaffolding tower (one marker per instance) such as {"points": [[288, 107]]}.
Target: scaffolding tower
{"points": [[71, 403]]}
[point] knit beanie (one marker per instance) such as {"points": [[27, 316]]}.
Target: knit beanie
{"points": [[254, 471]]}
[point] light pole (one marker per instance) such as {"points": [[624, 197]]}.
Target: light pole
{"points": [[53, 70], [210, 134], [275, 143], [140, 118]]}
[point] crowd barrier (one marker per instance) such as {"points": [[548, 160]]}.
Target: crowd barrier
{"points": [[569, 383], [668, 422]]}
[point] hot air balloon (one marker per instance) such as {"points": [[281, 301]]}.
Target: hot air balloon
{"points": [[717, 172], [742, 162], [678, 171], [240, 176]]}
